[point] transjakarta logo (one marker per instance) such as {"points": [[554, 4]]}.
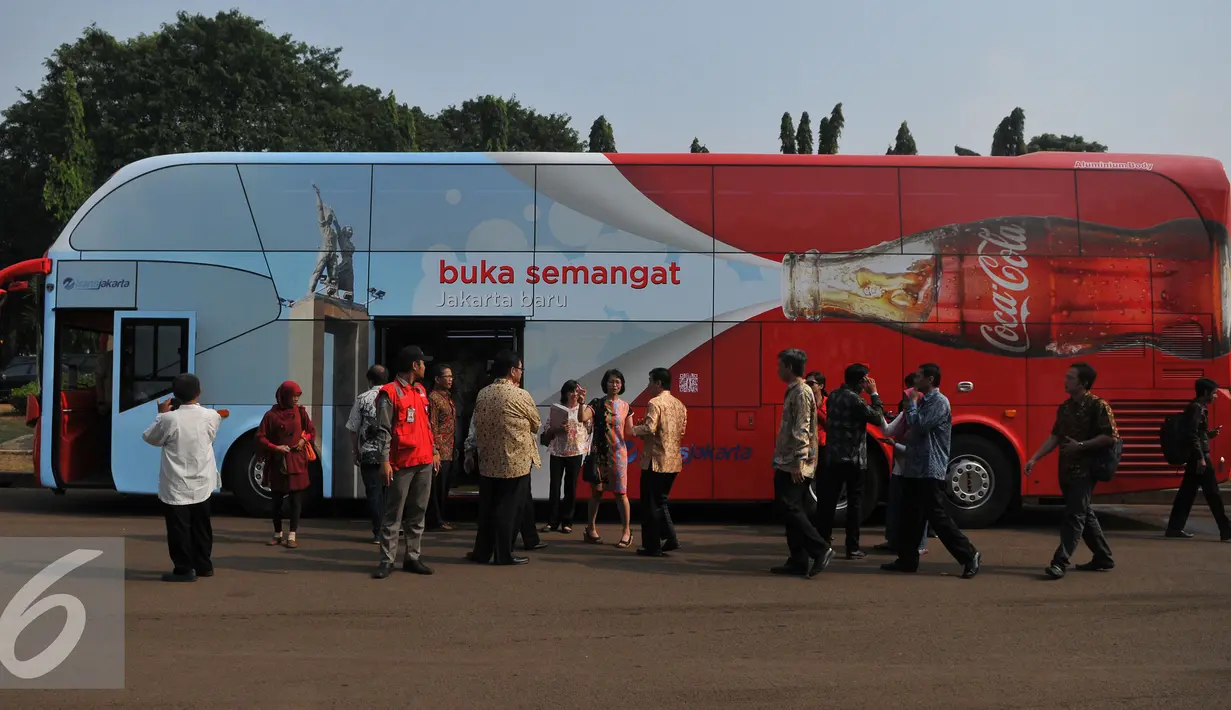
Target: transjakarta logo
{"points": [[699, 453], [69, 283]]}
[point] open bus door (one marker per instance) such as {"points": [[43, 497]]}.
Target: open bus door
{"points": [[151, 348]]}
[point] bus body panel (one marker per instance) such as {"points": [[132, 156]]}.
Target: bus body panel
{"points": [[638, 261]]}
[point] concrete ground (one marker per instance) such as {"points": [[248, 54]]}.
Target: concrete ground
{"points": [[584, 626]]}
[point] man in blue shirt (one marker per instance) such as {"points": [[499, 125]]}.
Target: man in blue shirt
{"points": [[923, 477]]}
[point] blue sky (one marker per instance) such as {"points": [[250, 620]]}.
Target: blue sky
{"points": [[1138, 76]]}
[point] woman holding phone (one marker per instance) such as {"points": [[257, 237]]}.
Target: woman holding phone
{"points": [[895, 432], [566, 434]]}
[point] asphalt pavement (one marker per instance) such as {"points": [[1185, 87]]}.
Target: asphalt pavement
{"points": [[586, 626]]}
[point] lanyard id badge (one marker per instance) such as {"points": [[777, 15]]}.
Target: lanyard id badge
{"points": [[410, 414]]}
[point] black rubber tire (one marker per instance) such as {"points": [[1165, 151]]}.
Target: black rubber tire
{"points": [[255, 501], [1004, 485], [238, 478]]}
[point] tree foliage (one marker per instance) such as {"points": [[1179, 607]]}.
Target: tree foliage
{"points": [[697, 147], [602, 137], [70, 179], [904, 143], [215, 83], [959, 150], [829, 132], [786, 134], [1068, 144], [803, 136], [1010, 135]]}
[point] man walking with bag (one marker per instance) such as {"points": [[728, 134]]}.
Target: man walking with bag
{"points": [[1084, 424]]}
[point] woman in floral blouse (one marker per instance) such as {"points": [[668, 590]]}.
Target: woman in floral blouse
{"points": [[566, 433], [613, 426]]}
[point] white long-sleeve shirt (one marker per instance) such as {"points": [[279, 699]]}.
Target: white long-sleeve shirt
{"points": [[894, 430], [188, 473]]}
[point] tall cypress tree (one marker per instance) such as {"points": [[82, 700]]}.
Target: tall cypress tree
{"points": [[602, 136], [904, 143], [830, 131], [70, 179], [786, 134], [803, 136]]}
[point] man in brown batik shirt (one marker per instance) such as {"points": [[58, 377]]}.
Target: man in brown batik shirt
{"points": [[1084, 424]]}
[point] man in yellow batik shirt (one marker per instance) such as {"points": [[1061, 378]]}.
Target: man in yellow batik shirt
{"points": [[504, 444], [662, 431]]}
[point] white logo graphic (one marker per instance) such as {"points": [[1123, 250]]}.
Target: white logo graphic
{"points": [[1008, 275], [25, 607]]}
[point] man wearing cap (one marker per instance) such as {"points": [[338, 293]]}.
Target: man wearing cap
{"points": [[408, 460]]}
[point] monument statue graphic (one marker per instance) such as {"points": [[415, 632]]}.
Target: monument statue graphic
{"points": [[335, 266]]}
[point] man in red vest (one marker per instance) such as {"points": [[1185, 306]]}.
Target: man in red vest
{"points": [[409, 458]]}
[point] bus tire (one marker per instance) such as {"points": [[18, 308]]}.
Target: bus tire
{"points": [[979, 484], [242, 470]]}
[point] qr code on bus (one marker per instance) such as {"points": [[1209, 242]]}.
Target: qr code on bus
{"points": [[688, 382]]}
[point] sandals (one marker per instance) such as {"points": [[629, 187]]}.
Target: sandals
{"points": [[625, 543], [275, 541], [591, 538], [567, 529]]}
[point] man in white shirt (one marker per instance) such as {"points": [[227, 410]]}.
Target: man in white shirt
{"points": [[187, 476], [365, 446]]}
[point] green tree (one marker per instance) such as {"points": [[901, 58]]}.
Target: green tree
{"points": [[697, 147], [829, 131], [1067, 144], [602, 137], [400, 134], [959, 150], [904, 143], [786, 134], [1010, 135], [494, 124], [459, 128], [70, 179], [221, 83], [803, 136]]}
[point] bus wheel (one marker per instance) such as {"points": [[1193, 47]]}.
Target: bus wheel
{"points": [[243, 475], [978, 484]]}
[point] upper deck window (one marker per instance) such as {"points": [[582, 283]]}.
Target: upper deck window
{"points": [[180, 208]]}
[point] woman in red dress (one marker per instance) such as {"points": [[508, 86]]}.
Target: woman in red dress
{"points": [[285, 437]]}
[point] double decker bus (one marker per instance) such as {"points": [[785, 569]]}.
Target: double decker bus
{"points": [[254, 268]]}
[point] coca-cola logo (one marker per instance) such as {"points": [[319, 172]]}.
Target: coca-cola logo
{"points": [[1009, 280]]}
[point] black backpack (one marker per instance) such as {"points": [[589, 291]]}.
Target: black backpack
{"points": [[1171, 438]]}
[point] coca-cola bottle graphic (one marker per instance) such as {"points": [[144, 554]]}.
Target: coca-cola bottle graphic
{"points": [[1017, 286]]}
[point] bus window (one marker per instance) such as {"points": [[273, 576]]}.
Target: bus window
{"points": [[152, 353]]}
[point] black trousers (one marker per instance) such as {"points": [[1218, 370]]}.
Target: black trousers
{"points": [[440, 495], [500, 501], [656, 524], [828, 489], [190, 537], [1187, 495], [1080, 523], [525, 519], [923, 503], [296, 499], [802, 539], [564, 473]]}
